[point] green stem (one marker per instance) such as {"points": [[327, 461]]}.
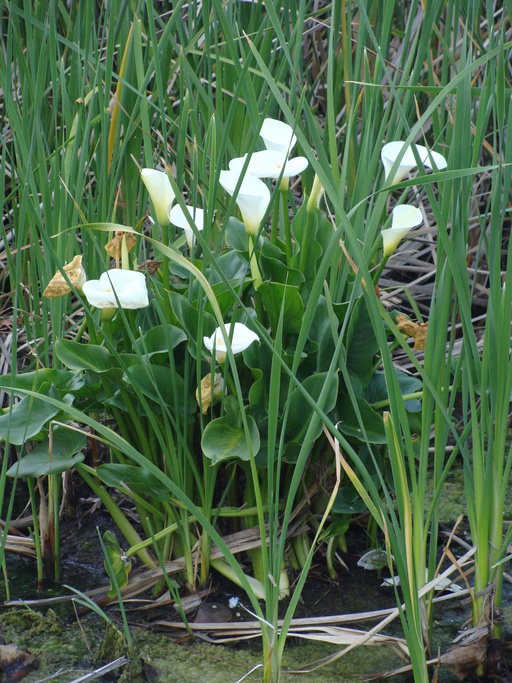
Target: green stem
{"points": [[305, 243], [285, 221], [115, 512], [380, 269], [255, 270], [53, 514], [36, 533], [275, 223], [166, 274]]}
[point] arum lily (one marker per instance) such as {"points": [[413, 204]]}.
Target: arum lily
{"points": [[405, 218], [390, 153], [242, 338], [161, 193], [253, 198], [178, 218], [117, 287], [269, 164], [58, 285], [278, 135], [316, 195]]}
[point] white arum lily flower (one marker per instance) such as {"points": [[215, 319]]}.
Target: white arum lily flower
{"points": [[269, 164], [117, 287], [390, 153], [162, 195], [405, 218], [178, 218], [253, 198], [278, 135], [242, 338]]}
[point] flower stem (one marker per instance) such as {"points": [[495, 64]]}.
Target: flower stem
{"points": [[255, 270], [380, 269], [285, 221]]}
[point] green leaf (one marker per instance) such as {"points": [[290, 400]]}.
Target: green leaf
{"points": [[274, 270], [321, 333], [63, 380], [301, 411], [304, 228], [119, 563], [225, 297], [159, 383], [276, 295], [362, 345], [231, 267], [78, 356], [224, 438], [160, 340], [236, 237], [189, 317], [377, 390], [65, 453], [348, 423], [28, 417], [137, 479]]}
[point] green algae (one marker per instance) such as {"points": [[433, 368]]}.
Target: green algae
{"points": [[56, 644], [200, 662], [59, 646], [452, 499], [113, 644]]}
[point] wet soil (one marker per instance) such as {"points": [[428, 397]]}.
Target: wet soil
{"points": [[67, 644]]}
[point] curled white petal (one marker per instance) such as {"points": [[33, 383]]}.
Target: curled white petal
{"points": [[390, 153], [126, 286], [269, 164], [241, 338], [405, 218], [178, 218], [253, 197], [278, 135], [161, 193]]}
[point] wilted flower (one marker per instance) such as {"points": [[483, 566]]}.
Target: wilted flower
{"points": [[242, 338], [128, 287], [253, 198], [269, 164], [405, 218], [58, 285], [177, 217], [411, 329], [390, 153], [114, 248], [162, 195], [205, 394]]}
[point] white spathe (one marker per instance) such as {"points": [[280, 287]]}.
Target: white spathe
{"points": [[128, 287], [253, 198], [405, 218], [278, 135], [390, 153], [269, 164], [242, 338], [162, 195], [178, 218]]}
